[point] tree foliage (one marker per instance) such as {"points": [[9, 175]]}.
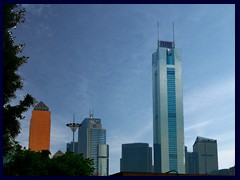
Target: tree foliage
{"points": [[71, 164], [30, 163], [12, 81]]}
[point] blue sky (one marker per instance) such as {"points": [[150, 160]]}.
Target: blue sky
{"points": [[84, 57]]}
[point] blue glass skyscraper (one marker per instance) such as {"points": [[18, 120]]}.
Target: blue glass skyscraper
{"points": [[92, 143], [168, 128]]}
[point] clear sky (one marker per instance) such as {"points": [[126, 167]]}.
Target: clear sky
{"points": [[99, 57]]}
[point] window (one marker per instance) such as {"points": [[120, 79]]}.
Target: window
{"points": [[170, 57]]}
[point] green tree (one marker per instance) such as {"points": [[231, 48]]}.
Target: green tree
{"points": [[29, 163], [71, 164], [11, 80]]}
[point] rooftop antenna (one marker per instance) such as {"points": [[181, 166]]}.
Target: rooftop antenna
{"points": [[91, 113], [173, 35], [158, 31], [73, 117]]}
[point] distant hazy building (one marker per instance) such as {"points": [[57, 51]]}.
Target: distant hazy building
{"points": [[40, 124], [190, 162], [136, 157], [70, 147], [232, 171], [58, 153], [92, 143], [207, 155], [225, 172], [168, 130]]}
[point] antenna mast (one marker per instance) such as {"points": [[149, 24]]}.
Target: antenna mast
{"points": [[173, 35], [158, 32], [91, 113]]}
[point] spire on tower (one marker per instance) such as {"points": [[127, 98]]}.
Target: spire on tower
{"points": [[158, 33], [173, 36], [91, 113]]}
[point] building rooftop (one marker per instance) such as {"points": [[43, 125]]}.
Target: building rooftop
{"points": [[156, 174], [41, 107], [136, 143], [58, 153], [202, 139]]}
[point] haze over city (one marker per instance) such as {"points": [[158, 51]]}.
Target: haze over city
{"points": [[99, 57]]}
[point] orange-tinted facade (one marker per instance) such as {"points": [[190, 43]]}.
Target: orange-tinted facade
{"points": [[40, 126]]}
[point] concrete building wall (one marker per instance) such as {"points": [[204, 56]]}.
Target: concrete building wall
{"points": [[207, 156]]}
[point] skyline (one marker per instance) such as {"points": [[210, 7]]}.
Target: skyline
{"points": [[98, 57]]}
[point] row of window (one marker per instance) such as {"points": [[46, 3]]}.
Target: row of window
{"points": [[172, 138]]}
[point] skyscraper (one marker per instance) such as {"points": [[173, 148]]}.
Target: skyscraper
{"points": [[136, 157], [40, 124], [168, 130], [92, 143], [190, 162], [207, 158], [70, 147]]}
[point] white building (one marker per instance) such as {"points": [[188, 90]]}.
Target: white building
{"points": [[168, 127]]}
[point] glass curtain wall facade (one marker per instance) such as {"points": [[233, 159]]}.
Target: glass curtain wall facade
{"points": [[136, 157], [190, 162], [70, 147], [92, 143], [168, 128]]}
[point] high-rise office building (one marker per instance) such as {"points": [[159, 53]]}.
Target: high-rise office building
{"points": [[168, 128], [40, 124], [207, 157], [190, 162], [136, 157], [70, 147], [92, 143]]}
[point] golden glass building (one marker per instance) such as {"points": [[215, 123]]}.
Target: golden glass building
{"points": [[40, 126]]}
